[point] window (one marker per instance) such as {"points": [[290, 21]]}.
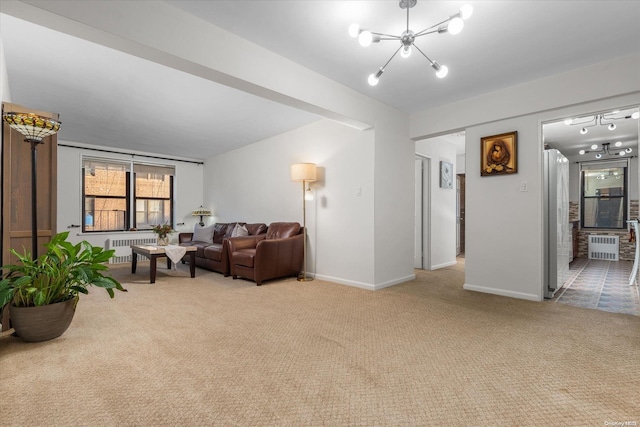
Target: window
{"points": [[604, 195], [109, 201], [153, 195], [106, 195]]}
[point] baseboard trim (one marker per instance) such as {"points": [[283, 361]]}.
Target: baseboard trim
{"points": [[363, 285], [502, 292], [395, 282], [443, 265]]}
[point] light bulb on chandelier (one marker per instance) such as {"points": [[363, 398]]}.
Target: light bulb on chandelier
{"points": [[606, 150], [453, 25]]}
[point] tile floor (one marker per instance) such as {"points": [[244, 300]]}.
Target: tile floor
{"points": [[600, 285]]}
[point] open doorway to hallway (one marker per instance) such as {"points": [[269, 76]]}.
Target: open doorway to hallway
{"points": [[439, 201]]}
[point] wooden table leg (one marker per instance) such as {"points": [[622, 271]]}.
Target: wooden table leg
{"points": [[134, 261], [152, 272], [192, 263], [168, 263]]}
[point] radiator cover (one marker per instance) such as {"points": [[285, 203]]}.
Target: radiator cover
{"points": [[122, 246], [604, 247]]}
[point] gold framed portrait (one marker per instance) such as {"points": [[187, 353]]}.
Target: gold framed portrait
{"points": [[498, 154]]}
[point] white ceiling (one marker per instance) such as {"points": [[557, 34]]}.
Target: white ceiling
{"points": [[503, 44]]}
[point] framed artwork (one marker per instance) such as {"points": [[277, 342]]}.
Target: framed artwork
{"points": [[498, 154], [446, 175]]}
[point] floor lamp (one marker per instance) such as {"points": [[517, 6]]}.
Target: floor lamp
{"points": [[34, 128], [304, 172]]}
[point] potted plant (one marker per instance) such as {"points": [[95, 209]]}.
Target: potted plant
{"points": [[163, 231], [41, 294]]}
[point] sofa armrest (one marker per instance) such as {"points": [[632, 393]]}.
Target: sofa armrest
{"points": [[184, 237], [279, 257], [245, 242]]}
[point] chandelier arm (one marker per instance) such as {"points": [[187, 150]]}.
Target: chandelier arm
{"points": [[425, 32], [390, 36], [392, 56], [432, 28], [423, 54]]}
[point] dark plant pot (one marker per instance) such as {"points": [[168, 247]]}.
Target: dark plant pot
{"points": [[43, 323]]}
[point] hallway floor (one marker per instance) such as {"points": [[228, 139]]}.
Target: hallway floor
{"points": [[600, 285]]}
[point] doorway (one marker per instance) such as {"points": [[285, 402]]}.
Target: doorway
{"points": [[437, 200], [585, 140]]}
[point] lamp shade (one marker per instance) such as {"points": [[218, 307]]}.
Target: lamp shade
{"points": [[303, 172], [32, 126], [201, 212]]}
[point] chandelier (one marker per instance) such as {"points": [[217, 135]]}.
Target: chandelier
{"points": [[606, 119], [606, 149], [452, 25]]}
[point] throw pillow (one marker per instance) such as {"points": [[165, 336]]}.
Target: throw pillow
{"points": [[203, 234], [240, 231]]}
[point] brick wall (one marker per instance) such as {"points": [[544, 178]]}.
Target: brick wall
{"points": [[627, 249]]}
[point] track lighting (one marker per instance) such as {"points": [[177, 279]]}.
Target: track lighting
{"points": [[452, 25]]}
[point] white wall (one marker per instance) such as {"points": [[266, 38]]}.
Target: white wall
{"points": [[253, 184], [184, 42], [443, 203], [188, 193], [504, 228]]}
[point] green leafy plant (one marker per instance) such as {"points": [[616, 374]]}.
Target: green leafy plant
{"points": [[58, 275]]}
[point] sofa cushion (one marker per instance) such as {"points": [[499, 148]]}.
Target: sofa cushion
{"points": [[202, 234], [200, 246], [280, 230], [255, 229], [220, 230], [239, 231], [213, 252], [244, 257]]}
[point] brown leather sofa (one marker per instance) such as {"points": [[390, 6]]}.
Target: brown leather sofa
{"points": [[278, 253], [213, 254]]}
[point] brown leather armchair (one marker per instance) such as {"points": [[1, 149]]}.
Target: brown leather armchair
{"points": [[278, 253]]}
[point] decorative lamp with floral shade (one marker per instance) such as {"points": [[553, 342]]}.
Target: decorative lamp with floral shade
{"points": [[201, 212]]}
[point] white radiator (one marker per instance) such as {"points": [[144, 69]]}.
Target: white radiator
{"points": [[604, 247], [123, 248]]}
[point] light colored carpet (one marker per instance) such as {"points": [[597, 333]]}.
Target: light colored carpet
{"points": [[214, 351]]}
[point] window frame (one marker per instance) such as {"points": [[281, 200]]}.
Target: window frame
{"points": [[130, 197], [135, 200], [624, 196]]}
